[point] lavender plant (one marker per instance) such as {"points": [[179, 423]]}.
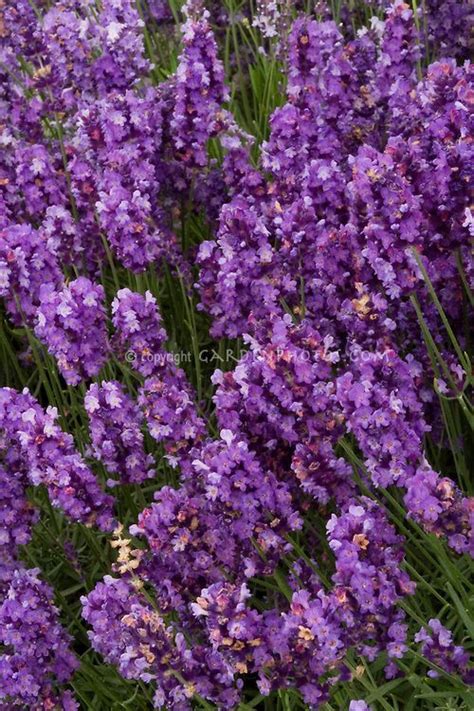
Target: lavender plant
{"points": [[235, 403]]}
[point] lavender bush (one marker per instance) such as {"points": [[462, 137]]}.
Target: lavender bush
{"points": [[236, 421]]}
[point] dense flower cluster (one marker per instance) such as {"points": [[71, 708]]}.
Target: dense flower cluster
{"points": [[115, 426], [17, 515], [36, 648], [72, 324], [166, 396], [281, 395], [226, 495], [139, 335], [32, 444], [34, 450], [285, 644], [27, 262], [119, 137], [438, 647], [258, 561], [305, 639], [200, 88], [382, 409], [137, 639], [374, 179], [450, 27]]}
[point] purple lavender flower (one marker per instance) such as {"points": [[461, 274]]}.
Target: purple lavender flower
{"points": [[115, 426], [438, 647], [27, 262], [281, 396], [92, 52], [358, 706], [200, 88], [166, 397], [311, 263], [72, 324], [267, 17], [139, 335], [383, 410], [368, 555], [393, 216], [118, 35], [224, 489], [45, 454], [17, 518], [62, 234], [449, 27], [136, 638], [243, 256], [399, 53], [17, 515], [38, 179], [170, 411], [120, 139], [36, 648]]}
